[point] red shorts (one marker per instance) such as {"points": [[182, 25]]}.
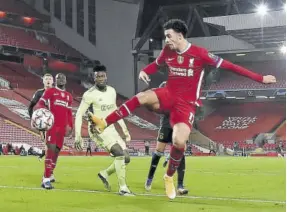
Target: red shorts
{"points": [[180, 111], [56, 136]]}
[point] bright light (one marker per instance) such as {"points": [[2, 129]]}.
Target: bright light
{"points": [[2, 14], [268, 53], [285, 7], [151, 40], [283, 49], [262, 9], [240, 55]]}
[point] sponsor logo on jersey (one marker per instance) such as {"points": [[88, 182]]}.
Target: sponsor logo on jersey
{"points": [[107, 107], [181, 71], [61, 103]]}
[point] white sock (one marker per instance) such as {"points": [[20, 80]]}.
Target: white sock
{"points": [[46, 180]]}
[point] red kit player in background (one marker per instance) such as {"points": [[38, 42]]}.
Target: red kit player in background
{"points": [[181, 94], [59, 102]]}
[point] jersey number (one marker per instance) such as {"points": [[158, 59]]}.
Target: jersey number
{"points": [[191, 118]]}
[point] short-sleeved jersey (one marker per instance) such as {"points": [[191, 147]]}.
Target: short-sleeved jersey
{"points": [[186, 70], [59, 102]]}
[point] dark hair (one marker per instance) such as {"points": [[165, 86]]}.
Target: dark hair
{"points": [[100, 68], [177, 25]]}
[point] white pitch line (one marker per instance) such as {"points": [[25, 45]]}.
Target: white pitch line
{"points": [[194, 171], [153, 195]]}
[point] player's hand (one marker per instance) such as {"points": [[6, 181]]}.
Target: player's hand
{"points": [[268, 79], [79, 144], [144, 77], [70, 132], [127, 138], [42, 136], [93, 128]]}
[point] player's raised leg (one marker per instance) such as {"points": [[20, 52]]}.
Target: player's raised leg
{"points": [[144, 98], [159, 151]]}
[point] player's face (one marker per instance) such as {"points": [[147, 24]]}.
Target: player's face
{"points": [[61, 79], [172, 39], [101, 78], [48, 81]]}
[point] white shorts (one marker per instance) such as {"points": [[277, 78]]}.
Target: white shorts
{"points": [[108, 138]]}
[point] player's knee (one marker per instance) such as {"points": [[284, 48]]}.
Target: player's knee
{"points": [[158, 153], [117, 151], [142, 97], [127, 159], [52, 147], [179, 140], [58, 150], [180, 135], [160, 147]]}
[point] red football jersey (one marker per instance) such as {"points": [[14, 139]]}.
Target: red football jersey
{"points": [[186, 70], [59, 102]]}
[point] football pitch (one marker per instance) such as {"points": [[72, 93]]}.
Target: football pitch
{"points": [[215, 184]]}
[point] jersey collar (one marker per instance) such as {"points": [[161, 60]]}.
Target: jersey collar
{"points": [[59, 88], [188, 46]]}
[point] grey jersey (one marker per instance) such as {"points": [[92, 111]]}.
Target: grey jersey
{"points": [[164, 121]]}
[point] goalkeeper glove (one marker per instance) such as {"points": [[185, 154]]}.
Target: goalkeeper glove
{"points": [[79, 144]]}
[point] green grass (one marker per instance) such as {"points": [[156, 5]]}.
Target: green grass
{"points": [[236, 180]]}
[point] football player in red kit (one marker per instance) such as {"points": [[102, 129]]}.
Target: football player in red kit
{"points": [[59, 102], [181, 94]]}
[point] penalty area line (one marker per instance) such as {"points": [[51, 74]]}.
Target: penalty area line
{"points": [[152, 195]]}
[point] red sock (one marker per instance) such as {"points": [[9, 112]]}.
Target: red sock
{"points": [[176, 155], [123, 111], [48, 163], [54, 161]]}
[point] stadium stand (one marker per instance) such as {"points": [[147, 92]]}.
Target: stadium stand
{"points": [[21, 8], [61, 46], [11, 133], [230, 123], [22, 38], [281, 131], [229, 80]]}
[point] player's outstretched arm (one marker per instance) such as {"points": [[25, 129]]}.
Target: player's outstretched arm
{"points": [[43, 102], [218, 62], [125, 130], [245, 72], [79, 120], [70, 117], [33, 102], [121, 122], [153, 67]]}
